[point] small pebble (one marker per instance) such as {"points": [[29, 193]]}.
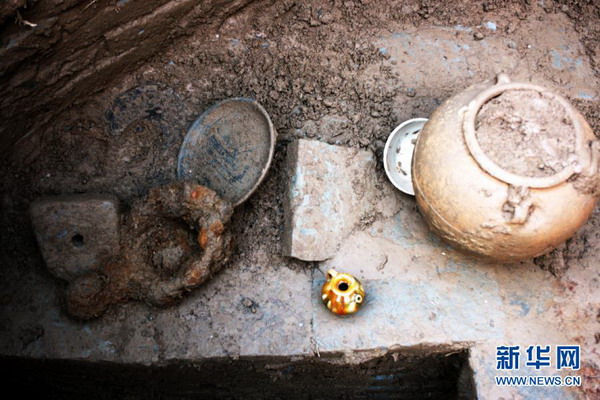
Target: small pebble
{"points": [[478, 36], [364, 141], [247, 302]]}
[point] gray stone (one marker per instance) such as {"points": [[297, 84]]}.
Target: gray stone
{"points": [[411, 296], [76, 233], [212, 322], [327, 194], [257, 310]]}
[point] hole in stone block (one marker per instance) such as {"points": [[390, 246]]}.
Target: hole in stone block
{"points": [[77, 240]]}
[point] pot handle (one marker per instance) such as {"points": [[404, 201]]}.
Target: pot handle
{"points": [[502, 79], [518, 205], [588, 181], [594, 165]]}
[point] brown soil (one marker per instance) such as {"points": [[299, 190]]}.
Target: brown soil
{"points": [[526, 132], [315, 67]]}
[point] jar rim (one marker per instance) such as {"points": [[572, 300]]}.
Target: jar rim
{"points": [[503, 84]]}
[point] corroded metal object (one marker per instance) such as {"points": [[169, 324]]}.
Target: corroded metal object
{"points": [[172, 241], [342, 293], [480, 207]]}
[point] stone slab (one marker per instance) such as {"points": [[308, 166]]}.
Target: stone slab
{"points": [[422, 292], [415, 294], [76, 233], [328, 193], [260, 308]]}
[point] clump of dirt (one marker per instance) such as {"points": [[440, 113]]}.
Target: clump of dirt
{"points": [[526, 132]]}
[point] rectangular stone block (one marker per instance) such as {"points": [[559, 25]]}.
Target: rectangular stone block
{"points": [[328, 192], [76, 233]]}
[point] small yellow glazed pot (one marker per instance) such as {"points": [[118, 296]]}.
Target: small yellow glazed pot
{"points": [[482, 208], [342, 293]]}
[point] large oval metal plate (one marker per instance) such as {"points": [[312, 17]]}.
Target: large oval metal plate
{"points": [[229, 149]]}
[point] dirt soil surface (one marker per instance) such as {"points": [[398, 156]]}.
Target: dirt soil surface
{"points": [[526, 133], [320, 71], [316, 69]]}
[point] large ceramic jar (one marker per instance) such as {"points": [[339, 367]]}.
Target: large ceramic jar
{"points": [[473, 182]]}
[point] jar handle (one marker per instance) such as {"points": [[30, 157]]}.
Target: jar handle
{"points": [[502, 79], [588, 180], [594, 164], [518, 205]]}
